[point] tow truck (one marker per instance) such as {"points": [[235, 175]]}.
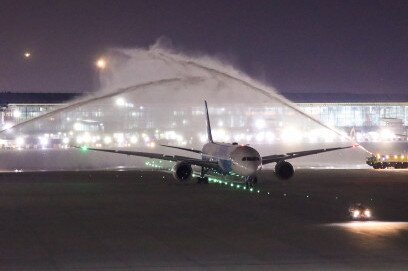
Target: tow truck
{"points": [[387, 161]]}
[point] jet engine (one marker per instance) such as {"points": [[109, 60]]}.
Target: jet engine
{"points": [[284, 170], [182, 171]]}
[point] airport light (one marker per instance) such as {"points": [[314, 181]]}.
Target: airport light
{"points": [[107, 140], [78, 126], [27, 54], [43, 141], [65, 140], [16, 113], [133, 139], [86, 137], [386, 134], [20, 142], [79, 139], [101, 63], [95, 138], [120, 102], [202, 137], [151, 145]]}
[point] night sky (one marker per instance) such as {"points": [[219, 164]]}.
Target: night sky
{"points": [[296, 46]]}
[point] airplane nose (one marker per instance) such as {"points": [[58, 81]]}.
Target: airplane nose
{"points": [[247, 160]]}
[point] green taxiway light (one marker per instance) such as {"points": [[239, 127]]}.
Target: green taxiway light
{"points": [[84, 148], [251, 189]]}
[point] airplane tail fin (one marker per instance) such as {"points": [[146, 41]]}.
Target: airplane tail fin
{"points": [[208, 123]]}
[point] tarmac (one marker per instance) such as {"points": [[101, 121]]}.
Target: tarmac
{"points": [[145, 220]]}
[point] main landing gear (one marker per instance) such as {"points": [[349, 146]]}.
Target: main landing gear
{"points": [[250, 181], [202, 178]]}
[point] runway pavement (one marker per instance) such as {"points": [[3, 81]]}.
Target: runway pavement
{"points": [[144, 220]]}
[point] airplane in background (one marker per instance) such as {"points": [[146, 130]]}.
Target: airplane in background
{"points": [[225, 159]]}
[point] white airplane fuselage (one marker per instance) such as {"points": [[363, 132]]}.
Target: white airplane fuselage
{"points": [[239, 159]]}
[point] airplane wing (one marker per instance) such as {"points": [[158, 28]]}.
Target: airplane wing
{"points": [[174, 158], [180, 148], [290, 155]]}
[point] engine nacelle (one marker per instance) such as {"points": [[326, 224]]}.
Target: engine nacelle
{"points": [[182, 171], [284, 170]]}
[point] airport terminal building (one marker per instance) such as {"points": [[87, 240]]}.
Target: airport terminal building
{"points": [[366, 118]]}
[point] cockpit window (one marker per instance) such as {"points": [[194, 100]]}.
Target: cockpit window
{"points": [[250, 158]]}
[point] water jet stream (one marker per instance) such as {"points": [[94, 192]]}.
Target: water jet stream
{"points": [[187, 75], [94, 99], [266, 93]]}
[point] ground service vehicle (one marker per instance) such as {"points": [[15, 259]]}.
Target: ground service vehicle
{"points": [[385, 161], [359, 212]]}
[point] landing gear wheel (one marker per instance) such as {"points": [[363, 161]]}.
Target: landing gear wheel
{"points": [[203, 180], [250, 181]]}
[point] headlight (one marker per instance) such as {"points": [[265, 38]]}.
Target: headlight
{"points": [[367, 213], [356, 213]]}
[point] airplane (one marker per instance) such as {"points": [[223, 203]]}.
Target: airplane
{"points": [[225, 159]]}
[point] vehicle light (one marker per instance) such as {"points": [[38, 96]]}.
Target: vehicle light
{"points": [[367, 213], [356, 213]]}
